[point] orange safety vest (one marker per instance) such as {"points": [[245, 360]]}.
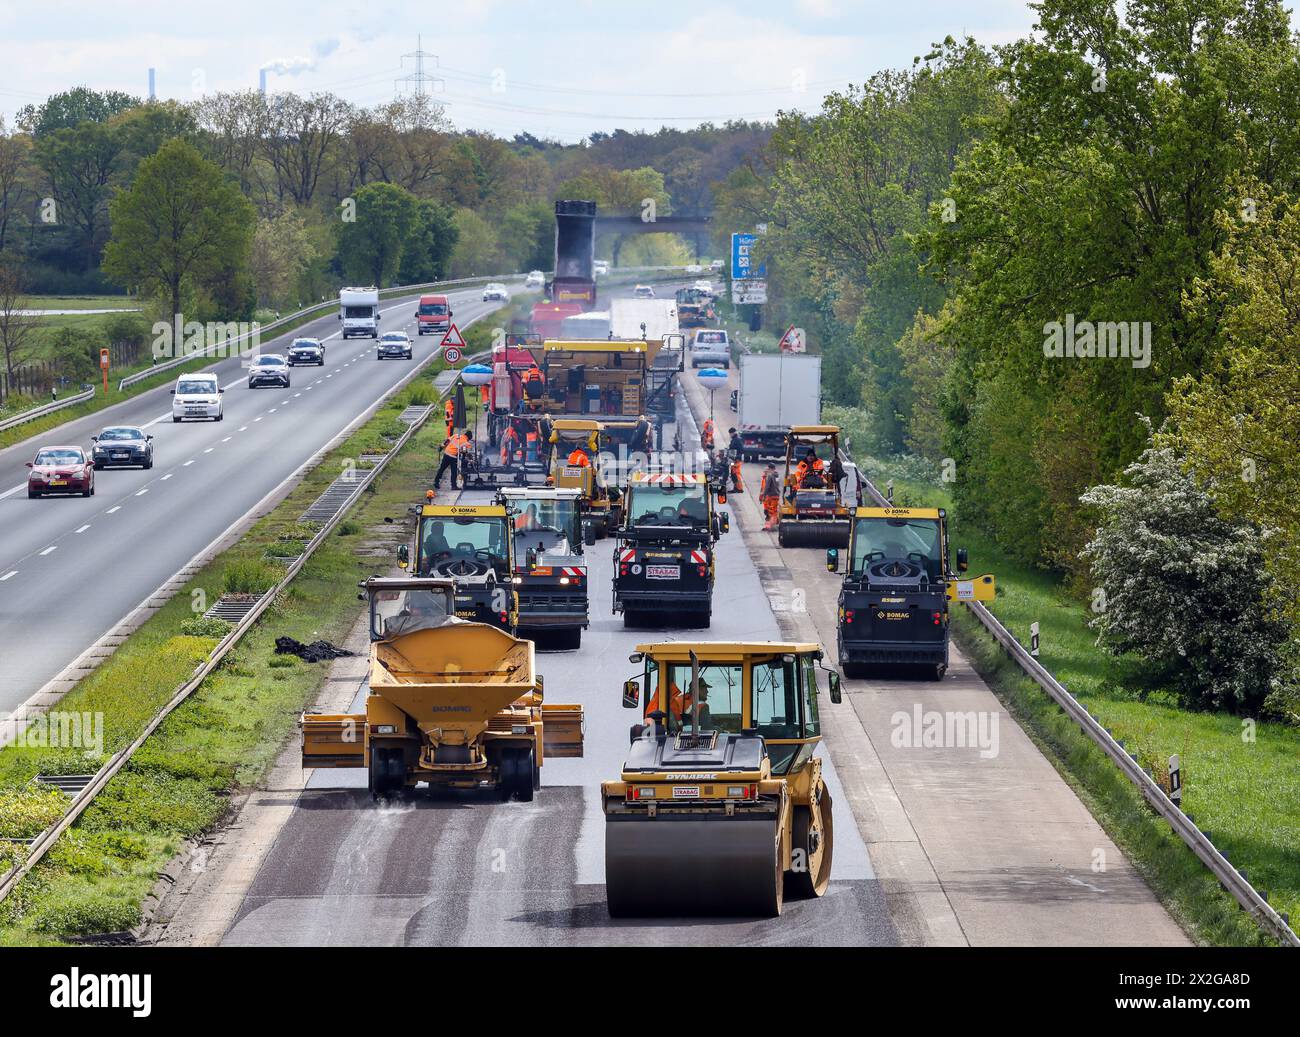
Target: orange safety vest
{"points": [[679, 702], [456, 443], [532, 375], [801, 469], [509, 444], [578, 459]]}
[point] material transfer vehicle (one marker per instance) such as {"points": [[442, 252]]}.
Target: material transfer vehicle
{"points": [[598, 504], [664, 560], [453, 704], [893, 602], [721, 807]]}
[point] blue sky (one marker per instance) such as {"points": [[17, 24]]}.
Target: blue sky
{"points": [[560, 69]]}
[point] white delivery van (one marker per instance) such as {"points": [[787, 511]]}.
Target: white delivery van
{"points": [[197, 396]]}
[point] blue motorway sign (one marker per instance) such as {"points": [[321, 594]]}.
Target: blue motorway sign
{"points": [[742, 247]]}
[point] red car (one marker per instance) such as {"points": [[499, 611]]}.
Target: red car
{"points": [[61, 469]]}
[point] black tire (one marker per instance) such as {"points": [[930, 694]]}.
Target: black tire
{"points": [[812, 881], [527, 779], [703, 619], [939, 670], [507, 774], [221, 416], [98, 467], [387, 768], [631, 619], [176, 419], [34, 494]]}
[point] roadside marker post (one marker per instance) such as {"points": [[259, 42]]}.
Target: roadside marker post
{"points": [[103, 366]]}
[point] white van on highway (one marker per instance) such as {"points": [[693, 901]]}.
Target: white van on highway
{"points": [[197, 396]]}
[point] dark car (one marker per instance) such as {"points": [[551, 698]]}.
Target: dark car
{"points": [[393, 343], [61, 469], [122, 445], [270, 369], [307, 351]]}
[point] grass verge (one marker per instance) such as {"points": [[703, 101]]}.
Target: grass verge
{"points": [[1240, 779]]}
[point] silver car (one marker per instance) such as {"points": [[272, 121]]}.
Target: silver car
{"points": [[268, 369], [711, 348]]}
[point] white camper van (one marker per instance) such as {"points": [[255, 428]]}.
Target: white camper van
{"points": [[359, 312]]}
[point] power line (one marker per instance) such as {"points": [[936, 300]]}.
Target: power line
{"points": [[420, 80]]}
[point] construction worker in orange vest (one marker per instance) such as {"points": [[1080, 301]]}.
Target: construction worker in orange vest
{"points": [[769, 494], [450, 409], [452, 451], [706, 434], [533, 383], [578, 459], [509, 445], [532, 440]]}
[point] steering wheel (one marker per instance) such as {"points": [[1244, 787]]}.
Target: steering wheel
{"points": [[462, 566], [895, 569]]}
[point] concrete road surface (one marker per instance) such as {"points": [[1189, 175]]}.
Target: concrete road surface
{"points": [[71, 568]]}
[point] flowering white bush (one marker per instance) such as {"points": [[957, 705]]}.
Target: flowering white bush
{"points": [[1183, 586]]}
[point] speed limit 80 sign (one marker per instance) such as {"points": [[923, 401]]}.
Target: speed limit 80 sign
{"points": [[451, 354]]}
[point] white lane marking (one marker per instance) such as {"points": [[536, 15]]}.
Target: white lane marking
{"points": [[111, 510], [189, 462], [296, 395], [244, 429], [141, 493], [309, 388], [10, 493], [52, 547], [11, 572], [82, 529], [228, 439], [255, 421], [209, 450], [167, 476], [272, 410]]}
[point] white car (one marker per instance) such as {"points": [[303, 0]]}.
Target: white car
{"points": [[600, 268], [197, 396], [694, 268], [712, 348], [495, 292], [643, 291], [715, 264], [535, 279], [393, 343], [704, 285], [268, 369]]}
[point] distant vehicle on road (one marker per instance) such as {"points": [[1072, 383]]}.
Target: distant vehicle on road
{"points": [[120, 446], [197, 396], [694, 268], [61, 469], [535, 280], [600, 268], [704, 285], [433, 314], [711, 347], [268, 369], [359, 312], [307, 351], [715, 264], [496, 292], [394, 344], [643, 291]]}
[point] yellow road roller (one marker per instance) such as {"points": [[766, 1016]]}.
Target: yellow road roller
{"points": [[812, 508], [721, 808]]}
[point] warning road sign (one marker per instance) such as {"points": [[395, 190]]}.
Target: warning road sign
{"points": [[793, 341]]}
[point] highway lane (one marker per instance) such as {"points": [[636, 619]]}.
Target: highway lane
{"points": [[71, 568]]}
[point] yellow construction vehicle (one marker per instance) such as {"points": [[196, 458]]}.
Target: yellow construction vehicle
{"points": [[454, 704], [599, 504], [721, 808], [472, 545], [893, 603], [812, 509]]}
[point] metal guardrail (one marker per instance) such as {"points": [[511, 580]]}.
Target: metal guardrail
{"points": [[47, 838], [49, 408], [1236, 883]]}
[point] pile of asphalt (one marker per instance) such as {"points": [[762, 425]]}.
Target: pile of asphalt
{"points": [[317, 651]]}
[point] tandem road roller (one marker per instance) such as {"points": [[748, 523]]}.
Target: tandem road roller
{"points": [[812, 509], [454, 704], [721, 808]]}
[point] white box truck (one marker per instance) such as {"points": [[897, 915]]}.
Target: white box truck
{"points": [[624, 320], [776, 391], [359, 312]]}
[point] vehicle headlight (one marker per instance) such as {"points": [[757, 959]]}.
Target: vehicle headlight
{"points": [[214, 400]]}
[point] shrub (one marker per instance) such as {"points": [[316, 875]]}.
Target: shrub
{"points": [[249, 577], [84, 909], [27, 811], [202, 626]]}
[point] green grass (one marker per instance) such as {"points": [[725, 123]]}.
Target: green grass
{"points": [[223, 737], [79, 302], [1245, 791]]}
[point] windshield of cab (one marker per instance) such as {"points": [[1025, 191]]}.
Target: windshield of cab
{"points": [[437, 309], [556, 516], [394, 612], [668, 505], [120, 434], [898, 539], [269, 361], [194, 387], [358, 311], [443, 537], [721, 696], [710, 337]]}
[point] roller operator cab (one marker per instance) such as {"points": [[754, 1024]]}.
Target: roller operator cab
{"points": [[550, 570], [471, 545], [455, 705], [664, 558], [893, 603], [721, 807], [575, 465]]}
